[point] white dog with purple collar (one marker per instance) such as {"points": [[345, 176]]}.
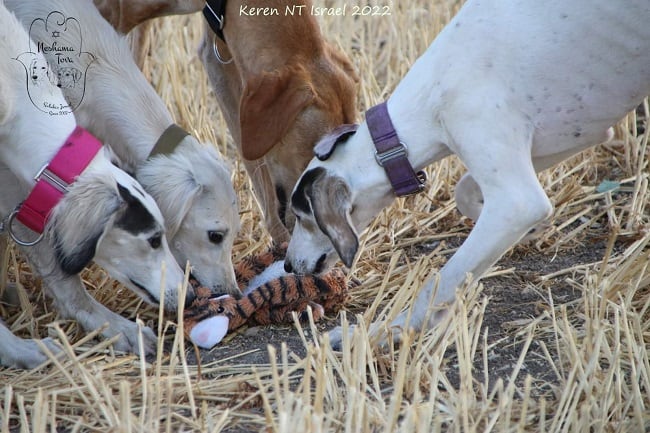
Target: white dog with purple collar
{"points": [[512, 88]]}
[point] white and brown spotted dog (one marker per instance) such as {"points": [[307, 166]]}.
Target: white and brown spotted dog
{"points": [[512, 88], [104, 216], [190, 183]]}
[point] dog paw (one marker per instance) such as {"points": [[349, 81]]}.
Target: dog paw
{"points": [[27, 354], [128, 338], [336, 337]]}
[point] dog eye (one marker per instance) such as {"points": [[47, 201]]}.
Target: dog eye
{"points": [[216, 237], [155, 241]]}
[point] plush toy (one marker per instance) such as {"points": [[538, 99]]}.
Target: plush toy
{"points": [[270, 296]]}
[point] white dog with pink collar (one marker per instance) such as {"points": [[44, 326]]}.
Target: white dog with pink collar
{"points": [[85, 208]]}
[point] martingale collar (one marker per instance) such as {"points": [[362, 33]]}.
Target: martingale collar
{"points": [[215, 14], [169, 140], [392, 154], [53, 180]]}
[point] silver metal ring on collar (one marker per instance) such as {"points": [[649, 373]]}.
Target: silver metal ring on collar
{"points": [[10, 230], [216, 53]]}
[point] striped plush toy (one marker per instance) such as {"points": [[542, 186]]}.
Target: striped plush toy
{"points": [[270, 296]]}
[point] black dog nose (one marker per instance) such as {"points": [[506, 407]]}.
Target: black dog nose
{"points": [[287, 267]]}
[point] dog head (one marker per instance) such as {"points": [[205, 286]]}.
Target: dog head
{"points": [[107, 216], [192, 186], [337, 196], [39, 71], [322, 203], [284, 112], [67, 78]]}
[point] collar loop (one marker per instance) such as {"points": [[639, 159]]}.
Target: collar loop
{"points": [[392, 154]]}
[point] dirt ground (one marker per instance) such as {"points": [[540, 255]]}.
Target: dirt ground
{"points": [[513, 302]]}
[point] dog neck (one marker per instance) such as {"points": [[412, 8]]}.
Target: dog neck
{"points": [[298, 35], [119, 106], [53, 180]]}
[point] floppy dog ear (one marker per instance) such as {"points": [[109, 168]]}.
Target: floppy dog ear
{"points": [[331, 203], [78, 223], [270, 103], [76, 74]]}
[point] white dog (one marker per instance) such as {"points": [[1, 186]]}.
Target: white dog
{"points": [[512, 88], [104, 215], [191, 184]]}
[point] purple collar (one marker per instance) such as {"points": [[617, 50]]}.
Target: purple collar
{"points": [[392, 154]]}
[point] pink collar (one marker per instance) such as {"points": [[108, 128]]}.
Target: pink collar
{"points": [[52, 180]]}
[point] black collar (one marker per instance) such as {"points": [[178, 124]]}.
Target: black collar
{"points": [[215, 14]]}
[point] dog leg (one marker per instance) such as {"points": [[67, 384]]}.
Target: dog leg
{"points": [[514, 202], [469, 199], [73, 301], [16, 352], [8, 293], [267, 199], [469, 202]]}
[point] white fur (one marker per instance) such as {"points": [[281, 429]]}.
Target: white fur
{"points": [[511, 88], [122, 109], [275, 270], [84, 225]]}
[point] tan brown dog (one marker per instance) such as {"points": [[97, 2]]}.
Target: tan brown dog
{"points": [[284, 89]]}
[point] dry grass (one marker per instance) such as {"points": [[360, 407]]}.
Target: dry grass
{"points": [[595, 347]]}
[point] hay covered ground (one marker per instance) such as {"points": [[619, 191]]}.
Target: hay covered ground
{"points": [[555, 339]]}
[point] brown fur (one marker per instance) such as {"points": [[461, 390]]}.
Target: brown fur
{"points": [[274, 301], [285, 88], [124, 15]]}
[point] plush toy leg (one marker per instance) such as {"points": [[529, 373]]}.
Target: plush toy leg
{"points": [[209, 332]]}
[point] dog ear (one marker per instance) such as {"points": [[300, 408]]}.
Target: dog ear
{"points": [[269, 106], [72, 261], [331, 203], [326, 146], [77, 224]]}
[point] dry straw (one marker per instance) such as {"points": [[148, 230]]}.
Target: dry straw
{"points": [[587, 320]]}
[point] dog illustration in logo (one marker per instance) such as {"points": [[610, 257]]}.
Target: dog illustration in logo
{"points": [[68, 77], [40, 73]]}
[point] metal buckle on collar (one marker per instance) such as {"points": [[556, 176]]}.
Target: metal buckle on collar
{"points": [[8, 226], [45, 174], [393, 152]]}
